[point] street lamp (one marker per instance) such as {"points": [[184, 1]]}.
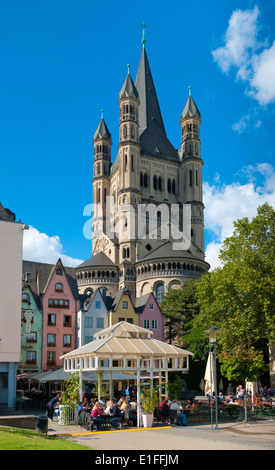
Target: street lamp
{"points": [[212, 342]]}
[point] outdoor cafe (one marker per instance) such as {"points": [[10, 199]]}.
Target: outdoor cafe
{"points": [[128, 349]]}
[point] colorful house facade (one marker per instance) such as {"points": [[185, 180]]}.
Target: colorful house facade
{"points": [[59, 318], [150, 316], [91, 318], [122, 309], [31, 330]]}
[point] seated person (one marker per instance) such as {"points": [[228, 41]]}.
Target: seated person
{"points": [[189, 408], [221, 398], [230, 400], [181, 417], [95, 415], [116, 413]]}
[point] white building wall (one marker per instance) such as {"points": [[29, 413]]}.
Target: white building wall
{"points": [[11, 248]]}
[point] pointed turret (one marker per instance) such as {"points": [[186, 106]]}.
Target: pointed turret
{"points": [[102, 131], [102, 142], [190, 109], [128, 89]]}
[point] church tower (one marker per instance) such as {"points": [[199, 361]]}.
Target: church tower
{"points": [[147, 172], [102, 143], [190, 122], [128, 193]]}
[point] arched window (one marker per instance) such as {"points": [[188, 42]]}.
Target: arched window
{"points": [[169, 185], [25, 298], [155, 182], [58, 287], [145, 180], [141, 180], [174, 187], [159, 292], [159, 183]]}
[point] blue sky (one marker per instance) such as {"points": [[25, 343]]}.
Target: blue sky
{"points": [[62, 61]]}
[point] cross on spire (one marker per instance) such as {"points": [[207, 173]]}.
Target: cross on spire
{"points": [[143, 40]]}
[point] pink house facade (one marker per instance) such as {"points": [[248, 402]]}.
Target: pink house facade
{"points": [[59, 318], [150, 316]]}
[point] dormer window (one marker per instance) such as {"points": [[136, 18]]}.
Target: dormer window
{"points": [[58, 287], [26, 298]]}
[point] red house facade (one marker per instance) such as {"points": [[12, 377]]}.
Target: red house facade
{"points": [[59, 318]]}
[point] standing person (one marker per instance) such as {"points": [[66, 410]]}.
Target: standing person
{"points": [[164, 410], [95, 416], [230, 390], [52, 404], [240, 392]]}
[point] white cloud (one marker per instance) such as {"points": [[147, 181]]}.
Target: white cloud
{"points": [[253, 61], [263, 81], [226, 203], [40, 247]]}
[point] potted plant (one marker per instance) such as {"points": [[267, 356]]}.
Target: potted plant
{"points": [[148, 403]]}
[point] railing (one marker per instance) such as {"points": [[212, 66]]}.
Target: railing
{"points": [[67, 415]]}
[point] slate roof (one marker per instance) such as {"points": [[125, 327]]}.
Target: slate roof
{"points": [[128, 88], [6, 214], [152, 135], [191, 107], [44, 271], [100, 259], [166, 251], [102, 131]]}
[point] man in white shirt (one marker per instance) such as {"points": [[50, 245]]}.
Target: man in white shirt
{"points": [[181, 417]]}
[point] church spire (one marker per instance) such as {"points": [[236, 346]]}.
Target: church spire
{"points": [[152, 132]]}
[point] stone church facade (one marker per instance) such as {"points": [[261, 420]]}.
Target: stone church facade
{"points": [[135, 197]]}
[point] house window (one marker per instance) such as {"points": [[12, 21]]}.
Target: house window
{"points": [[146, 324], [121, 319], [98, 304], [31, 357], [32, 337], [51, 358], [154, 324], [88, 322], [58, 287], [67, 341], [59, 271], [151, 306], [100, 322], [130, 320], [58, 303], [51, 319], [51, 340], [125, 304], [67, 320], [88, 339], [25, 298]]}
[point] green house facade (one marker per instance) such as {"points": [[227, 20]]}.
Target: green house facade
{"points": [[31, 330]]}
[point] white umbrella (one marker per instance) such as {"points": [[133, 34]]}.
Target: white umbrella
{"points": [[209, 376]]}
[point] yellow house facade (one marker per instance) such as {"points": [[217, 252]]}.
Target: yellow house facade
{"points": [[122, 309]]}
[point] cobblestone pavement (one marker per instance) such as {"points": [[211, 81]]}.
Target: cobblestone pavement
{"points": [[258, 435]]}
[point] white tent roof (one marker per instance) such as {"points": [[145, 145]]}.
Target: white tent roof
{"points": [[126, 339]]}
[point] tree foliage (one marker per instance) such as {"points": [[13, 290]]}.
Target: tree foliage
{"points": [[239, 297], [70, 396], [179, 307]]}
